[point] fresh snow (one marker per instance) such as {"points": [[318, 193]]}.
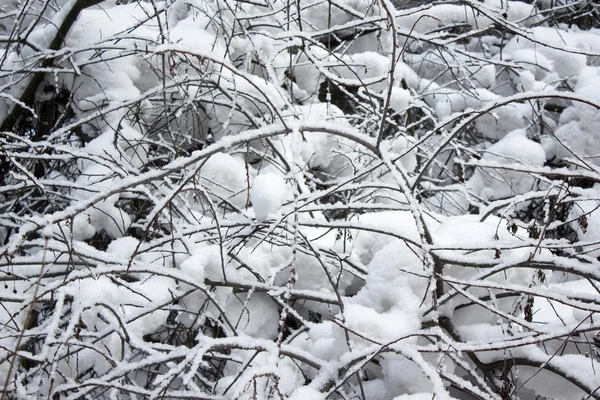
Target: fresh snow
{"points": [[306, 200]]}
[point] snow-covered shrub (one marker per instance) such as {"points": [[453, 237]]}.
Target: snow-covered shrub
{"points": [[320, 199]]}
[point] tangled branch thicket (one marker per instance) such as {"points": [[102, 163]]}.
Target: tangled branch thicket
{"points": [[305, 199]]}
